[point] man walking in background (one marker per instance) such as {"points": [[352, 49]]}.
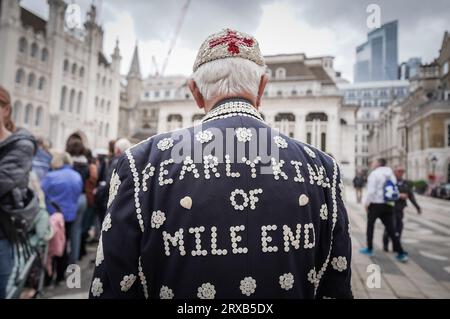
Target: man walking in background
{"points": [[406, 193], [358, 184]]}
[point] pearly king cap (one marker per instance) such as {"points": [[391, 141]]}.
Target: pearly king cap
{"points": [[229, 44]]}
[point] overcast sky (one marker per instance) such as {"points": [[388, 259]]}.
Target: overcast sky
{"points": [[314, 27]]}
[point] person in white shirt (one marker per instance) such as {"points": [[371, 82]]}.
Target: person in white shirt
{"points": [[378, 208]]}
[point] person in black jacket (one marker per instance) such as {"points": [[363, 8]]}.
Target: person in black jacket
{"points": [[406, 193], [17, 148], [358, 184]]}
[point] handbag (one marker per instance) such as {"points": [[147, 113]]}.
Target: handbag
{"points": [[20, 220]]}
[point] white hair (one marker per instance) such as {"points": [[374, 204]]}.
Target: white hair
{"points": [[228, 76], [122, 145]]}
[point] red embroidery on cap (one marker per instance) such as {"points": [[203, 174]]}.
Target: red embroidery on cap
{"points": [[233, 41]]}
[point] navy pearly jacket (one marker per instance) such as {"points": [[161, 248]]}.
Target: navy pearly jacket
{"points": [[227, 209]]}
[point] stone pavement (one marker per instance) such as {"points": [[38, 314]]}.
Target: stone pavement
{"points": [[426, 238]]}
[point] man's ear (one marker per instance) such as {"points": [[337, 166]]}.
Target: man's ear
{"points": [[261, 88], [198, 97]]}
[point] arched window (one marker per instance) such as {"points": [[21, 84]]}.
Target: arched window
{"points": [[66, 65], [81, 72], [79, 103], [28, 114], [316, 130], [280, 73], [197, 118], [41, 84], [107, 130], [23, 45], [34, 50], [74, 68], [62, 104], [20, 74], [285, 123], [104, 81], [102, 105], [44, 55], [108, 107], [174, 121], [101, 129], [17, 111], [71, 100], [38, 118], [31, 79]]}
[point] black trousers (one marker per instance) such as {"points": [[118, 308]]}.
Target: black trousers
{"points": [[386, 214], [398, 227]]}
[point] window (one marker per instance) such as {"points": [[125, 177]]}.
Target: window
{"points": [[23, 45], [74, 68], [31, 79], [104, 81], [41, 84], [174, 121], [44, 55], [17, 111], [20, 74], [81, 72], [167, 93], [62, 104], [107, 130], [285, 123], [279, 93], [445, 68], [71, 100], [66, 65], [316, 129], [38, 118], [108, 107], [102, 105], [34, 50], [79, 103], [197, 118], [294, 93], [308, 92], [156, 94], [28, 114], [280, 73]]}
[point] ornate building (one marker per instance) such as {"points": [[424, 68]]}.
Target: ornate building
{"points": [[301, 100], [60, 80], [416, 131]]}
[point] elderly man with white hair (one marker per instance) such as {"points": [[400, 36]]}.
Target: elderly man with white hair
{"points": [[230, 208]]}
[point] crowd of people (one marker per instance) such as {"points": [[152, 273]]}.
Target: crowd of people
{"points": [[58, 196]]}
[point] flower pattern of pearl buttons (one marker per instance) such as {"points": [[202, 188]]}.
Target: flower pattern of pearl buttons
{"points": [[165, 144], [107, 223], [113, 188], [166, 293], [206, 291], [287, 281], [309, 151], [280, 142], [99, 257], [244, 134], [97, 287], [158, 218], [339, 263], [127, 282], [204, 136], [248, 286]]}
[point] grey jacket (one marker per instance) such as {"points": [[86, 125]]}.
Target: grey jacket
{"points": [[16, 156]]}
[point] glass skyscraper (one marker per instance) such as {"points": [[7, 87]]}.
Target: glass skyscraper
{"points": [[377, 59]]}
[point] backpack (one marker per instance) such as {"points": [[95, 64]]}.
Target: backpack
{"points": [[390, 191]]}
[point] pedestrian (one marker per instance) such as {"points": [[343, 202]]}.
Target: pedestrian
{"points": [[231, 224], [42, 159], [17, 148], [62, 188], [77, 151], [377, 207], [358, 184], [406, 192]]}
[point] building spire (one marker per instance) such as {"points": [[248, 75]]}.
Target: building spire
{"points": [[135, 69]]}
